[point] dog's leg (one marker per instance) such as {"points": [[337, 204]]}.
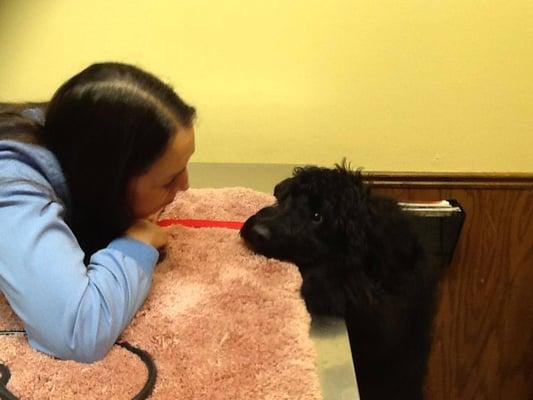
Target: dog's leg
{"points": [[323, 294]]}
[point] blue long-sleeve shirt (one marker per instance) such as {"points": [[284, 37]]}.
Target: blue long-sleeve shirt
{"points": [[69, 310]]}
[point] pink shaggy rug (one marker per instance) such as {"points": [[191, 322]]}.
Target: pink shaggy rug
{"points": [[220, 323]]}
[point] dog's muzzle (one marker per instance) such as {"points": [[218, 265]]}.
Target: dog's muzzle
{"points": [[255, 233]]}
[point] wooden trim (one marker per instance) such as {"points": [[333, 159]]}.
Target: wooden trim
{"points": [[449, 180]]}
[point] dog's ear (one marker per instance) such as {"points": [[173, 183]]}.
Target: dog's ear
{"points": [[355, 236], [353, 216], [282, 189]]}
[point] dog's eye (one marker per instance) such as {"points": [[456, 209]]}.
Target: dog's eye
{"points": [[317, 217]]}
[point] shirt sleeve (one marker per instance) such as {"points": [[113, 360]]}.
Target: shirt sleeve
{"points": [[69, 310]]}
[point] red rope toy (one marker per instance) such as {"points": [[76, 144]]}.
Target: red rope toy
{"points": [[201, 223]]}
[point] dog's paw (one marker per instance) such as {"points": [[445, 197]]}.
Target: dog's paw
{"points": [[323, 295]]}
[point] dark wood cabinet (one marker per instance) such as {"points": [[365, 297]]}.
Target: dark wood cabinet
{"points": [[483, 331]]}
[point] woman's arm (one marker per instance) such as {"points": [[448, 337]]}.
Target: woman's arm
{"points": [[69, 310]]}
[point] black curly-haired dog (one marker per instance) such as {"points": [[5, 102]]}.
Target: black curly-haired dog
{"points": [[359, 259]]}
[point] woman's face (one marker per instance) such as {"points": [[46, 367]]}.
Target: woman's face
{"points": [[150, 192]]}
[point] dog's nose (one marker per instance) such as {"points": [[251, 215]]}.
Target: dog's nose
{"points": [[255, 234], [261, 232]]}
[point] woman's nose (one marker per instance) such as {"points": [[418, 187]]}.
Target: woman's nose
{"points": [[183, 183]]}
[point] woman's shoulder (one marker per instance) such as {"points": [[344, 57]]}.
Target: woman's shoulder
{"points": [[15, 152], [31, 162]]}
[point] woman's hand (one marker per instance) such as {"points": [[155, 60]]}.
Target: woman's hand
{"points": [[147, 231]]}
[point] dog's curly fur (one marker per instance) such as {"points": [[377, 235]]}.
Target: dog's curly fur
{"points": [[360, 260]]}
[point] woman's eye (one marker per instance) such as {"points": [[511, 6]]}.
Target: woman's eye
{"points": [[317, 217]]}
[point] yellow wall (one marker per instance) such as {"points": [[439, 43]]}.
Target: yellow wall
{"points": [[420, 85]]}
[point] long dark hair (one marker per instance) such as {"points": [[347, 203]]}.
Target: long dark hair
{"points": [[22, 121], [105, 125]]}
